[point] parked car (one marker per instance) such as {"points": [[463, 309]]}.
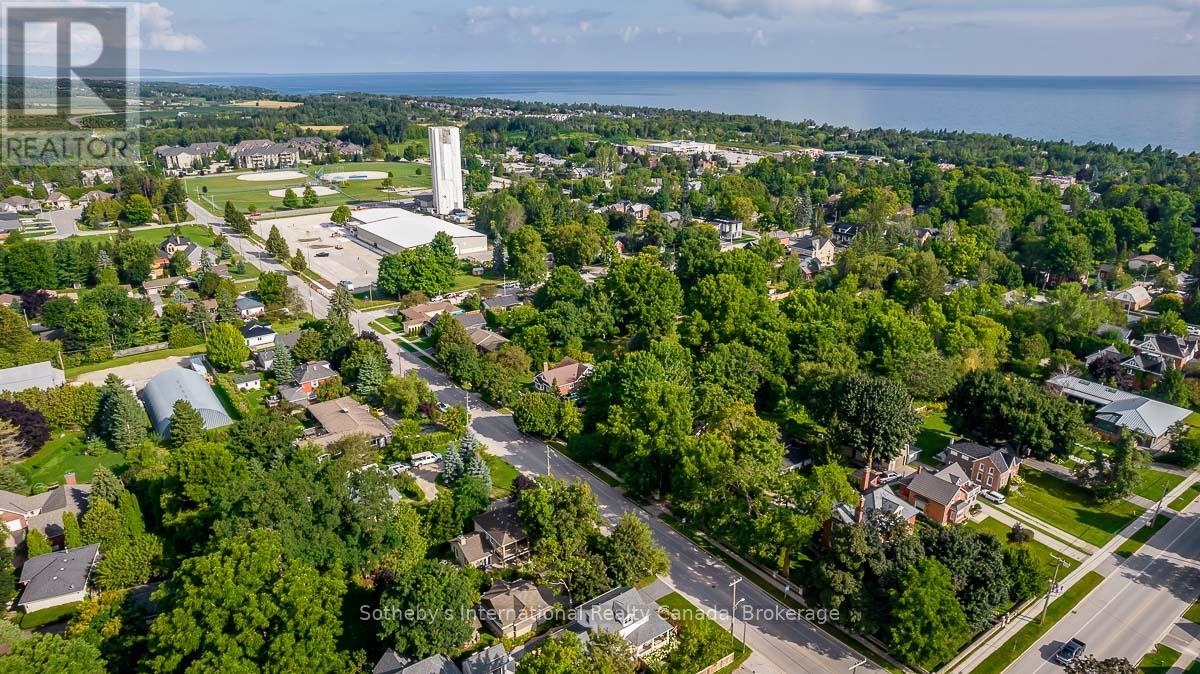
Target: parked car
{"points": [[323, 253], [424, 459], [993, 496], [888, 477], [1069, 652], [442, 407], [398, 468], [348, 285]]}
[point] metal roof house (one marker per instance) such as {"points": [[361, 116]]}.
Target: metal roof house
{"points": [[161, 392]]}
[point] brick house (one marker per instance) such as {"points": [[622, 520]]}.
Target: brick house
{"points": [[945, 497], [988, 467]]}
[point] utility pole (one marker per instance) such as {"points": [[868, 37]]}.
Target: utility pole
{"points": [[1050, 590], [1158, 508], [733, 605]]}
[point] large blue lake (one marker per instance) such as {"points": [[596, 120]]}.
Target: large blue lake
{"points": [[1125, 111]]}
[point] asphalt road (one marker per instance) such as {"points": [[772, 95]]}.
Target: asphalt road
{"points": [[782, 642], [1136, 605]]}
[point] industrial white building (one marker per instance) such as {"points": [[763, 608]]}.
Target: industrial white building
{"points": [[683, 147], [445, 160], [391, 230]]}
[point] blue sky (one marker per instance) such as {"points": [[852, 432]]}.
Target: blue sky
{"points": [[995, 37]]}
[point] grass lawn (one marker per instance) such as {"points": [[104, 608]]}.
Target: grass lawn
{"points": [[137, 358], [1071, 508], [1138, 539], [1193, 613], [224, 187], [503, 475], [393, 323], [47, 616], [66, 455], [1185, 499], [934, 436], [1152, 483], [1028, 635], [1042, 552], [156, 235], [1159, 661], [1193, 668], [683, 612]]}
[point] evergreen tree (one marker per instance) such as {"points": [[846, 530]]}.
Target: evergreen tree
{"points": [[106, 486], [36, 543], [276, 246], [72, 535], [498, 256], [103, 524], [310, 197], [199, 319], [475, 467], [804, 211], [452, 464], [298, 262], [371, 376], [206, 265], [283, 364], [186, 424], [227, 304], [290, 200], [226, 250], [131, 514], [122, 420], [341, 304]]}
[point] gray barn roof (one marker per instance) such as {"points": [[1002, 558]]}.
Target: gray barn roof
{"points": [[36, 375], [164, 389]]}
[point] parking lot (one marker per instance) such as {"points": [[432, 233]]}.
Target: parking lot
{"points": [[329, 249]]}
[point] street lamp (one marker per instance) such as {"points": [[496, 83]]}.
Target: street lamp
{"points": [[733, 604]]}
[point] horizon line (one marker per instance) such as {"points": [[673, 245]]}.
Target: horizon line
{"points": [[159, 72]]}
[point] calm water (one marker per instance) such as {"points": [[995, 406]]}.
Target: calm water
{"points": [[1126, 111]]}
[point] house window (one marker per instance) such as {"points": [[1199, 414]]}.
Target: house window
{"points": [[989, 480]]}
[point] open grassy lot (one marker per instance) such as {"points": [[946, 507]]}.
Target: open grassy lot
{"points": [[934, 436], [245, 194], [1138, 539], [1185, 499], [681, 612], [47, 616], [1155, 483], [503, 474], [1159, 661], [65, 453], [1071, 508], [137, 358], [1042, 552], [1028, 635], [156, 235]]}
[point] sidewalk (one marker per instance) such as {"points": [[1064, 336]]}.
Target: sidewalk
{"points": [[1029, 520], [1054, 544], [990, 643]]}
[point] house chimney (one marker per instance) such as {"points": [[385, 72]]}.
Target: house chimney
{"points": [[545, 366], [861, 509], [866, 479], [69, 478]]}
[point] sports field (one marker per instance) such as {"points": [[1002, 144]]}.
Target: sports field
{"points": [[213, 191]]}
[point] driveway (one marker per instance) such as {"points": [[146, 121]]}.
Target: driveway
{"points": [[135, 373], [64, 221]]}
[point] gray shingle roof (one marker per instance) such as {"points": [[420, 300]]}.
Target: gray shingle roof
{"points": [[161, 392], [488, 660], [394, 663], [34, 375], [55, 574]]}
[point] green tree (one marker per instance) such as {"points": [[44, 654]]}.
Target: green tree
{"points": [[282, 364], [631, 553], [122, 419], [290, 200], [135, 562], [138, 210], [36, 543], [52, 653], [645, 297], [1112, 478], [72, 535], [205, 608], [341, 215], [271, 288], [442, 595], [298, 262], [1027, 575], [276, 245], [546, 415], [415, 270], [186, 424], [310, 197], [226, 347], [927, 622], [526, 255], [875, 419]]}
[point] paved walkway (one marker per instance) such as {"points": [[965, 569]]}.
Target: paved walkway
{"points": [[1014, 514], [1055, 545]]}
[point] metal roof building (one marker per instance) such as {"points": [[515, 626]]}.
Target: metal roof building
{"points": [[35, 375], [392, 230], [161, 392]]}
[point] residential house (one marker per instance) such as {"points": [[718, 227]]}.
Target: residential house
{"points": [[166, 285], [1114, 331], [175, 243], [470, 321], [264, 359], [923, 235], [945, 497], [56, 578], [248, 382], [988, 467], [10, 223], [57, 200], [498, 539], [784, 238], [96, 176], [1151, 422], [342, 417], [248, 307], [488, 341], [880, 500], [1145, 261], [93, 195], [43, 511], [306, 379], [394, 663], [728, 230], [507, 299], [416, 316], [258, 335], [564, 378], [1134, 298], [844, 233], [515, 608], [492, 660], [1175, 351], [625, 612], [818, 248], [24, 204], [34, 375]]}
